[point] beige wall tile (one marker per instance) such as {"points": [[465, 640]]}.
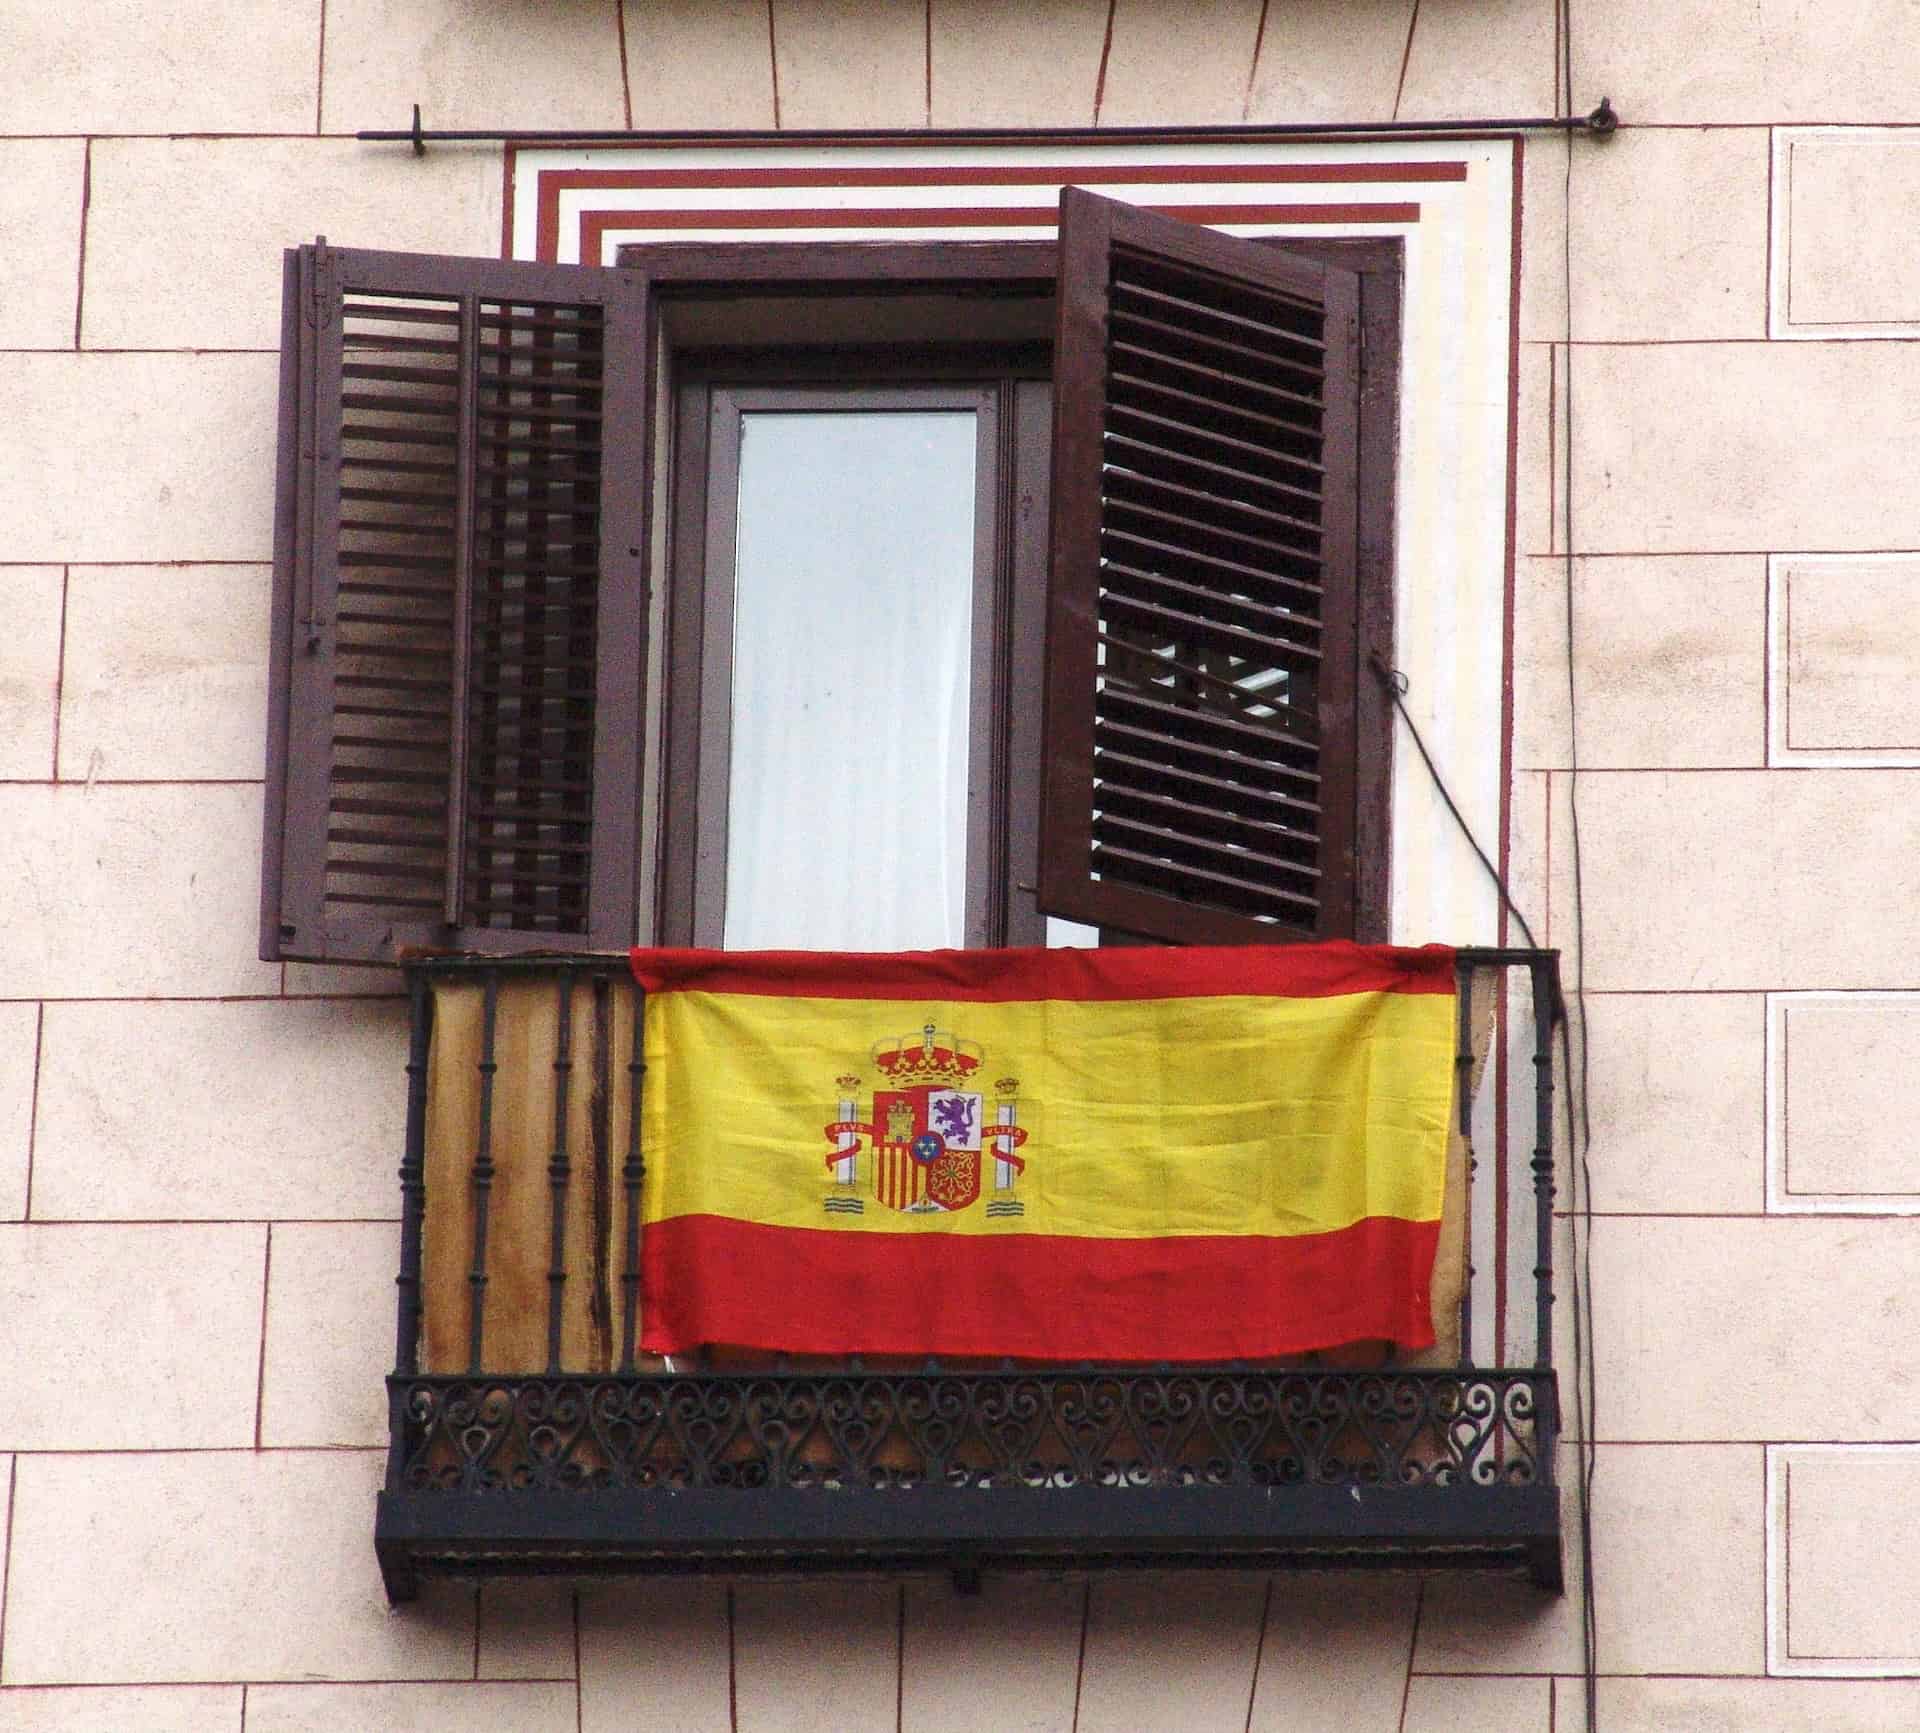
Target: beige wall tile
{"points": [[662, 1643], [1180, 62], [1678, 1568], [1478, 1705], [1670, 235], [122, 1709], [1852, 1536], [19, 1056], [330, 1319], [184, 236], [1316, 63], [41, 186], [699, 66], [224, 1532], [525, 1708], [470, 63], [1677, 1093], [843, 1639], [1671, 661], [1703, 1330], [159, 457], [1849, 1089], [1006, 1657], [1777, 60], [848, 63], [157, 1331], [526, 1629], [1718, 447], [165, 673], [317, 1084], [1471, 58], [1847, 669], [29, 666], [1032, 65], [1543, 224], [1723, 880], [1188, 1640], [190, 66], [1745, 1705], [1334, 1655], [1528, 844], [1849, 201]]}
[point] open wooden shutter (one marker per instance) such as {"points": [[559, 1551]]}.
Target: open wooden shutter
{"points": [[459, 618], [1200, 759]]}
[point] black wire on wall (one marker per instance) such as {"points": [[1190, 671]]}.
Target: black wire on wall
{"points": [[1576, 1056]]}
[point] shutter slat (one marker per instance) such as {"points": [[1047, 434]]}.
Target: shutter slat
{"points": [[1216, 514], [1189, 842], [1271, 740], [1293, 625], [1199, 443], [1205, 379], [1298, 436], [1167, 767], [1230, 890], [1140, 290], [1149, 805], [1143, 549]]}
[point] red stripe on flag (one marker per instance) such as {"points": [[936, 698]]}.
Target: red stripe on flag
{"points": [[1002, 976], [1033, 1296]]}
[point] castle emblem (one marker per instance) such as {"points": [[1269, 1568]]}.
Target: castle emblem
{"points": [[930, 1131]]}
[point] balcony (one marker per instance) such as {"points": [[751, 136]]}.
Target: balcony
{"points": [[529, 1435]]}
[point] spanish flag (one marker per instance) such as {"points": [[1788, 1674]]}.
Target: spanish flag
{"points": [[1133, 1154]]}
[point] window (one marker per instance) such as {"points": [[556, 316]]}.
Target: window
{"points": [[1167, 733]]}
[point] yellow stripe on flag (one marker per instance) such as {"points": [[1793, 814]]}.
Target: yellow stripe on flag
{"points": [[1214, 1115]]}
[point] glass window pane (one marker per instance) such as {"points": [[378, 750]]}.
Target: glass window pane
{"points": [[853, 604]]}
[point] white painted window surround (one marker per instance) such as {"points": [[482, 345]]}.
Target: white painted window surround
{"points": [[1453, 204]]}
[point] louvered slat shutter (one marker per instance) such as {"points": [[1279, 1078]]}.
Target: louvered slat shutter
{"points": [[459, 611], [1200, 766]]}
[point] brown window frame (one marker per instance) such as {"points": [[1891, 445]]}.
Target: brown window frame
{"points": [[1023, 886], [647, 280], [1009, 385]]}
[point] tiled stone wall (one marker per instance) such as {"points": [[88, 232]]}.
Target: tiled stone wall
{"points": [[197, 1149]]}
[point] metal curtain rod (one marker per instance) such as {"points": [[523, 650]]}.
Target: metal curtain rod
{"points": [[1598, 124]]}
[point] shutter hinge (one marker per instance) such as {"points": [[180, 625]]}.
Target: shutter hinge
{"points": [[325, 292]]}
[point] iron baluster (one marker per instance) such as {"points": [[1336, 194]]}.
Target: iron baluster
{"points": [[1545, 1014], [631, 1176]]}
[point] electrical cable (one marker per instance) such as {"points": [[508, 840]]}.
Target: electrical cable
{"points": [[1578, 1111], [1396, 684]]}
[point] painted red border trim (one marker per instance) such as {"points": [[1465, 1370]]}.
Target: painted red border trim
{"points": [[710, 1280], [1036, 972], [553, 183], [595, 225]]}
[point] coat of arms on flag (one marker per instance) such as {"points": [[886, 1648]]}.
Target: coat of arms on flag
{"points": [[929, 1131]]}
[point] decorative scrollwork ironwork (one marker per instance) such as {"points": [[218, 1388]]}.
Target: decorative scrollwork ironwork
{"points": [[859, 1430]]}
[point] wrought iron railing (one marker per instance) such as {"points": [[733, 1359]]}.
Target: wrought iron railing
{"points": [[601, 1459]]}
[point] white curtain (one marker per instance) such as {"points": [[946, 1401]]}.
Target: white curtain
{"points": [[852, 638]]}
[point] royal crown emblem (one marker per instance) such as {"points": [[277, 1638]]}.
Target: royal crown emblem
{"points": [[929, 1129]]}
